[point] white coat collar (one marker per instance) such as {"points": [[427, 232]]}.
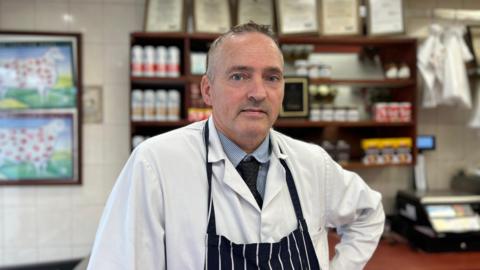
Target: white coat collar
{"points": [[275, 177]]}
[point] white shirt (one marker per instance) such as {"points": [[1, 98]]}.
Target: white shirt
{"points": [[156, 215]]}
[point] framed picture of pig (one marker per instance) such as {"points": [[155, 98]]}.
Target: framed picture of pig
{"points": [[38, 147], [40, 108]]}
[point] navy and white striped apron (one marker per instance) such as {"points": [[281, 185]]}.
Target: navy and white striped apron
{"points": [[294, 251]]}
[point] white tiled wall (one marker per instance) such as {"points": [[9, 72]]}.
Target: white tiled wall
{"points": [[49, 223]]}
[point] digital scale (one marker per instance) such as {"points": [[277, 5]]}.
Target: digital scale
{"points": [[436, 220]]}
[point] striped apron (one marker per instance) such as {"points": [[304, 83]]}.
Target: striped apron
{"points": [[294, 251]]}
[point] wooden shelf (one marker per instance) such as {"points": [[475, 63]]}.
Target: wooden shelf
{"points": [[158, 80], [152, 124], [392, 83], [304, 123], [352, 165]]}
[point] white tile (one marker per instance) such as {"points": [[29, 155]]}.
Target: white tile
{"points": [[111, 171], [451, 142], [18, 256], [93, 144], [86, 1], [448, 4], [91, 192], [51, 15], [117, 147], [116, 63], [56, 197], [453, 115], [17, 15], [49, 254], [92, 65], [81, 251], [54, 227], [119, 23], [85, 223], [20, 227], [471, 4], [113, 2], [418, 27], [19, 196], [140, 17], [427, 116], [116, 106], [2, 228], [87, 17]]}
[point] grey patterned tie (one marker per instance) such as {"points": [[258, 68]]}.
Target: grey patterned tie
{"points": [[248, 169]]}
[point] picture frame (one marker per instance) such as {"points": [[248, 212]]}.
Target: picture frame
{"points": [[165, 16], [385, 17], [339, 17], [92, 101], [296, 98], [297, 17], [39, 147], [40, 82], [211, 16], [259, 11]]}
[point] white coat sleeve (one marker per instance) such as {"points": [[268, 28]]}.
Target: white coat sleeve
{"points": [[357, 213], [131, 230]]}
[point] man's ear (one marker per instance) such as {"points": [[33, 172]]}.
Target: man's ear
{"points": [[205, 88]]}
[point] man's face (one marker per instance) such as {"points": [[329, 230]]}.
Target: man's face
{"points": [[247, 88]]}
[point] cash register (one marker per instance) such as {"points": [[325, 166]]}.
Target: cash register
{"points": [[436, 221]]}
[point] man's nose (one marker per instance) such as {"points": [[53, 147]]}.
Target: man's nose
{"points": [[258, 91]]}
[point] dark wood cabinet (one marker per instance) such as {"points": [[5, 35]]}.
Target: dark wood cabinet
{"points": [[397, 50]]}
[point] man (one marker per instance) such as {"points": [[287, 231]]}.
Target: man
{"points": [[181, 202]]}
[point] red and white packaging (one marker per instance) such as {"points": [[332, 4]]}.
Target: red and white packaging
{"points": [[149, 61], [393, 112], [380, 112], [137, 61], [405, 111]]}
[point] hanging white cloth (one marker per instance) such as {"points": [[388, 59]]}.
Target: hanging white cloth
{"points": [[430, 64], [456, 88]]}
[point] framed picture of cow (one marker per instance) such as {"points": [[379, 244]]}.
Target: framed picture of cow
{"points": [[38, 147], [40, 108]]}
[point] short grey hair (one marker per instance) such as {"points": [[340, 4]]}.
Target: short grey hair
{"points": [[250, 27]]}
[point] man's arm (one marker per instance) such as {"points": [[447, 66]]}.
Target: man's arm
{"points": [[357, 213], [131, 230]]}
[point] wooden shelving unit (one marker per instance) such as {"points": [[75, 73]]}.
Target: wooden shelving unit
{"points": [[398, 50]]}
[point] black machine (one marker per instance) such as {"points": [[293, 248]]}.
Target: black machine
{"points": [[438, 221]]}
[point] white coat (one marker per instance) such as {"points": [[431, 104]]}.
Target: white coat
{"points": [[156, 215]]}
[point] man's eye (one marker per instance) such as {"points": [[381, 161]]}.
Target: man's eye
{"points": [[273, 78], [237, 77]]}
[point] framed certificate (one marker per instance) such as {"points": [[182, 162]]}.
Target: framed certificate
{"points": [[385, 17], [165, 16], [211, 16], [297, 16], [339, 17], [295, 100], [259, 11]]}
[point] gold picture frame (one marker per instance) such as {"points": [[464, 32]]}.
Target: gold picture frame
{"points": [[165, 16], [296, 99]]}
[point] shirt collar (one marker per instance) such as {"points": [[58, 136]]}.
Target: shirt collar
{"points": [[235, 154]]}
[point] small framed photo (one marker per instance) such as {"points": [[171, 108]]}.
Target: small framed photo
{"points": [[92, 108], [38, 147], [165, 16], [295, 101], [385, 17]]}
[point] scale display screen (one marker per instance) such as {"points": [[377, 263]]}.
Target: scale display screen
{"points": [[425, 142], [453, 218]]}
